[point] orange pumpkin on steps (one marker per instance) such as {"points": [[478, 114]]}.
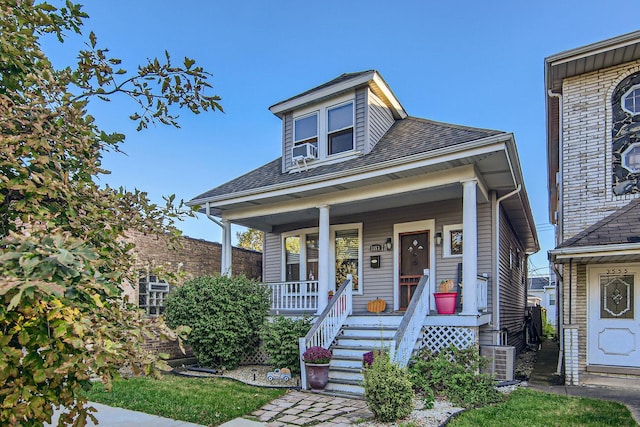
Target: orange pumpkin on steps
{"points": [[376, 306]]}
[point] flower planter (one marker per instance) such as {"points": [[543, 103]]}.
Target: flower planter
{"points": [[446, 302], [317, 375]]}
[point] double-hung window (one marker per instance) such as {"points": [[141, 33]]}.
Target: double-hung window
{"points": [[305, 130], [301, 253], [330, 129], [340, 128]]}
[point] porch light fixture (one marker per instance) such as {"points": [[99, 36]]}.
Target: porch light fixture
{"points": [[388, 245], [438, 239]]}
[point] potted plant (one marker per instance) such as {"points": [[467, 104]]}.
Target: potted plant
{"points": [[316, 360], [445, 298]]}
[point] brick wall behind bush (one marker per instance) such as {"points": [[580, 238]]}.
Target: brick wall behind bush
{"points": [[198, 258]]}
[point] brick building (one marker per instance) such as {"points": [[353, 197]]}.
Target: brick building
{"points": [[593, 144]]}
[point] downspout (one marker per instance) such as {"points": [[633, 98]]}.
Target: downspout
{"points": [[560, 227], [223, 253], [496, 284], [560, 317], [559, 217]]}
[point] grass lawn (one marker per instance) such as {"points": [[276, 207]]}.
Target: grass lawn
{"points": [[208, 401], [532, 408]]}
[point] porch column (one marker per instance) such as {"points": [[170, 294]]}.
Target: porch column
{"points": [[323, 258], [469, 248], [225, 265]]}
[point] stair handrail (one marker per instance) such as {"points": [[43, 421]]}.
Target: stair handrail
{"points": [[409, 329], [328, 325]]}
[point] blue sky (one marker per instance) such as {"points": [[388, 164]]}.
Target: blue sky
{"points": [[466, 62]]}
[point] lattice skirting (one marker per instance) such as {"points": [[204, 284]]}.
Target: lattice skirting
{"points": [[259, 357], [436, 338]]}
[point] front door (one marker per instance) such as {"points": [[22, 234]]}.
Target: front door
{"points": [[414, 258], [614, 316]]}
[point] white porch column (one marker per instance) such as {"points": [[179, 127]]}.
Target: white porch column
{"points": [[225, 265], [469, 248], [323, 258]]}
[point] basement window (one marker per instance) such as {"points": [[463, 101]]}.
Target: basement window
{"points": [[152, 294]]}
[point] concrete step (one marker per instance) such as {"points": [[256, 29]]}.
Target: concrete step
{"points": [[369, 332], [346, 362], [374, 320], [345, 386], [370, 342], [340, 351], [339, 374]]}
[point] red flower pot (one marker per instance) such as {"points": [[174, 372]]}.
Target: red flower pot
{"points": [[446, 302]]}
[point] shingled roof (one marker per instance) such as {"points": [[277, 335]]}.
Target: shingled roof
{"points": [[405, 138], [622, 226], [341, 78]]}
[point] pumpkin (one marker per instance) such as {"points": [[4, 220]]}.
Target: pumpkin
{"points": [[376, 306]]}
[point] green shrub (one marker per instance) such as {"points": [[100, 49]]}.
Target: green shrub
{"points": [[225, 314], [454, 374], [387, 389], [280, 338]]}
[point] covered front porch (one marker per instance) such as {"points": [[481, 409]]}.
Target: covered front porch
{"points": [[301, 297]]}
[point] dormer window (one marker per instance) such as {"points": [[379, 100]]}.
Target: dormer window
{"points": [[631, 100], [306, 130], [323, 131], [340, 128]]}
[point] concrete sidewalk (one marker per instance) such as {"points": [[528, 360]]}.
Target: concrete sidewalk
{"points": [[543, 378], [118, 417]]}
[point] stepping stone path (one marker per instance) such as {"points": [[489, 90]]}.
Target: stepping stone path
{"points": [[300, 409]]}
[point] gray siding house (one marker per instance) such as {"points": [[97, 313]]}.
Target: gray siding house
{"points": [[368, 203], [593, 145]]}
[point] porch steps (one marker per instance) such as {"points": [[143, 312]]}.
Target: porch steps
{"points": [[359, 335]]}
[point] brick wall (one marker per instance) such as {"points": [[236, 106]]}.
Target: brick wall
{"points": [[586, 148], [197, 258]]}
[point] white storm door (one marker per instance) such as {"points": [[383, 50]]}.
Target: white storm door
{"points": [[614, 316]]}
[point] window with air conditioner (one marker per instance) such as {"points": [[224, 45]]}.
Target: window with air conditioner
{"points": [[325, 133], [305, 137]]}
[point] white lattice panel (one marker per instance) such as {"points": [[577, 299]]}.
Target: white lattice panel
{"points": [[436, 338]]}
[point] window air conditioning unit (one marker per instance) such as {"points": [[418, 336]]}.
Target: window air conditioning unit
{"points": [[501, 361], [304, 151]]}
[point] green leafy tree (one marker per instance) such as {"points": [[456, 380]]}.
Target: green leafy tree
{"points": [[251, 239], [63, 259]]}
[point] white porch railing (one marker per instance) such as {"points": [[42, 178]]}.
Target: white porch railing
{"points": [[328, 324], [481, 293], [412, 322], [294, 296]]}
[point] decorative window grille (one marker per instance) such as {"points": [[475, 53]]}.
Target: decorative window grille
{"points": [[152, 294]]}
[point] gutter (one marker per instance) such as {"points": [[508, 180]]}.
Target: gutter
{"points": [[461, 149], [496, 284], [591, 251]]}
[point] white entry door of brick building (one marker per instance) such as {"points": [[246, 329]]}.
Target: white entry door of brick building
{"points": [[614, 316]]}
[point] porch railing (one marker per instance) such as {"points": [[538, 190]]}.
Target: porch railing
{"points": [[328, 324], [294, 296], [481, 293], [409, 330]]}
